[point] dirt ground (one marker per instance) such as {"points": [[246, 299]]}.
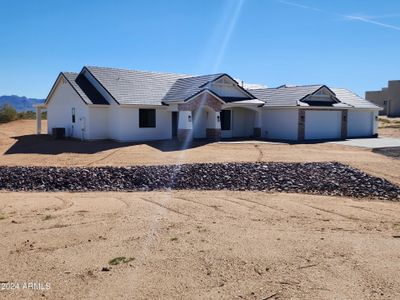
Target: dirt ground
{"points": [[18, 146], [389, 127], [195, 245], [199, 245]]}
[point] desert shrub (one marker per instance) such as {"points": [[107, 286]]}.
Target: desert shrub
{"points": [[26, 115], [7, 113]]}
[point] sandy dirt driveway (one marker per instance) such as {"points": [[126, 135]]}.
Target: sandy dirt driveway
{"points": [[199, 245]]}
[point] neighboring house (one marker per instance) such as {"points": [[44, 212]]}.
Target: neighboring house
{"points": [[124, 105], [388, 98]]}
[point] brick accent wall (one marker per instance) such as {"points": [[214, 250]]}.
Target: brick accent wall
{"points": [[204, 99], [301, 124], [213, 134], [344, 124]]}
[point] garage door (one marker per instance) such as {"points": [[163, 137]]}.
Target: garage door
{"points": [[359, 123], [322, 125], [280, 124]]}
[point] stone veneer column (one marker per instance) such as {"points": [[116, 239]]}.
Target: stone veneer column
{"points": [[344, 124], [301, 125], [257, 124], [185, 126], [213, 130]]}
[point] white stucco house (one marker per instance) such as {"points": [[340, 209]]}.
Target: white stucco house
{"points": [[126, 105]]}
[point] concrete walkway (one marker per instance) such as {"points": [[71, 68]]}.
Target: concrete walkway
{"points": [[372, 143]]}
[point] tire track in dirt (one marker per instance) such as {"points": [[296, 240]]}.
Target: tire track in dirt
{"points": [[165, 207], [370, 211], [214, 207], [260, 152], [66, 203], [333, 212], [261, 204], [241, 204], [103, 158]]}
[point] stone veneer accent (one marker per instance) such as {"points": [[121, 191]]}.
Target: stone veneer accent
{"points": [[213, 134], [301, 124], [344, 124], [201, 100], [257, 132], [184, 134]]}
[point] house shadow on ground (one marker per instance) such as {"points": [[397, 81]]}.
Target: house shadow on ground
{"points": [[45, 144]]}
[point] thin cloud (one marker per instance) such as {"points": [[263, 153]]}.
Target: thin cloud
{"points": [[298, 5], [370, 21], [359, 18]]}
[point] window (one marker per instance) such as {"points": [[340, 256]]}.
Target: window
{"points": [[147, 118], [73, 115], [225, 119]]}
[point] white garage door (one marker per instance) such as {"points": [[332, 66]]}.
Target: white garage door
{"points": [[323, 125], [359, 123], [280, 124]]}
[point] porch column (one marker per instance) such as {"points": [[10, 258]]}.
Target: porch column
{"points": [[38, 120], [213, 130], [185, 126], [257, 124]]}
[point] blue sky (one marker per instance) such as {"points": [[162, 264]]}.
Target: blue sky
{"points": [[341, 43]]}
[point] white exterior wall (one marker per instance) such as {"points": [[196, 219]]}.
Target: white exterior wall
{"points": [[124, 125], [376, 122], [59, 111], [360, 123], [199, 123], [98, 126], [242, 122], [279, 124], [321, 125]]}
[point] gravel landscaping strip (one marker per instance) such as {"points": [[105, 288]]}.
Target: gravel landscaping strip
{"points": [[325, 178]]}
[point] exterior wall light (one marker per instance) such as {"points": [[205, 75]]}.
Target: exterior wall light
{"points": [[189, 118], [218, 118]]}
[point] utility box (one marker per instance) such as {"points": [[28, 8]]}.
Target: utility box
{"points": [[58, 133]]}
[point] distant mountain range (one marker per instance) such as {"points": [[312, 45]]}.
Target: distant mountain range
{"points": [[20, 103]]}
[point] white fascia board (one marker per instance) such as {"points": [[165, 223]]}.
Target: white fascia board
{"points": [[143, 106], [205, 91]]}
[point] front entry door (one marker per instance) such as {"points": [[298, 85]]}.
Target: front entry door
{"points": [[174, 123]]}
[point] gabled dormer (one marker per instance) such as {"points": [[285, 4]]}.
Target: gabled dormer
{"points": [[323, 96], [227, 88]]}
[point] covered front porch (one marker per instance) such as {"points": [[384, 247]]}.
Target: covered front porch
{"points": [[209, 117]]}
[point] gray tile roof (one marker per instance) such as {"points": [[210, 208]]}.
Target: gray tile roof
{"points": [[70, 76], [140, 87], [135, 87], [352, 99], [291, 96], [285, 96], [185, 88], [84, 89]]}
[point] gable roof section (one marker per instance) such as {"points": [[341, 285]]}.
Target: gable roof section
{"points": [[291, 96], [152, 88], [185, 88], [82, 87], [134, 87]]}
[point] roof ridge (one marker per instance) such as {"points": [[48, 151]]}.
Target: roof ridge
{"points": [[142, 71], [156, 72]]}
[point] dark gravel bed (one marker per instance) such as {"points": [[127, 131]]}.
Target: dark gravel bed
{"points": [[327, 178]]}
